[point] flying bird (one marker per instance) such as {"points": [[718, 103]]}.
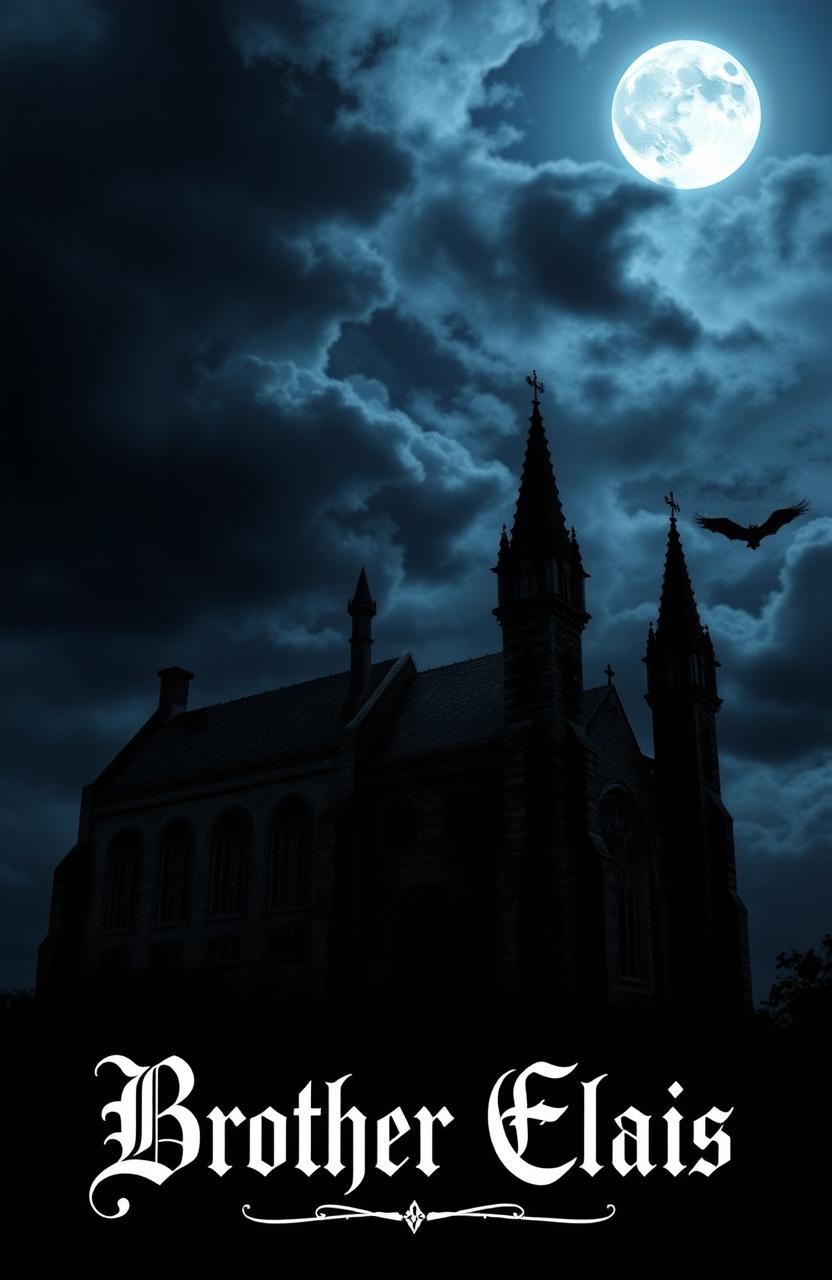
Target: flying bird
{"points": [[752, 534]]}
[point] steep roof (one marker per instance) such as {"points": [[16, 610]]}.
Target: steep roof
{"points": [[293, 720], [443, 709], [458, 706], [592, 699], [450, 707]]}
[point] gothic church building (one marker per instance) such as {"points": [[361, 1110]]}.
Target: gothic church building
{"points": [[491, 825]]}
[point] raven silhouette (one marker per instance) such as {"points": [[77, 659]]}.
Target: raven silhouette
{"points": [[752, 534]]}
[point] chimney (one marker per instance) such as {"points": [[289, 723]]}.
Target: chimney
{"points": [[173, 691]]}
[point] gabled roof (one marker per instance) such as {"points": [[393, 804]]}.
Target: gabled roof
{"points": [[291, 721], [450, 707], [592, 699], [457, 706], [443, 709]]}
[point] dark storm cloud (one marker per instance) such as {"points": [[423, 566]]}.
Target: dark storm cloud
{"points": [[147, 242], [274, 487], [397, 351], [784, 860], [198, 515], [785, 223], [526, 248], [781, 685], [571, 251]]}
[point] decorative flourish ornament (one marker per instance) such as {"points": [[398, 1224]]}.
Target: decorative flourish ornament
{"points": [[414, 1217]]}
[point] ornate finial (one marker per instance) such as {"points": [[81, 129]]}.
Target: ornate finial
{"points": [[536, 385], [672, 503], [609, 673]]}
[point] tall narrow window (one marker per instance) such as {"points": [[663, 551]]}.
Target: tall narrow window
{"points": [[625, 839], [526, 580], [175, 860], [291, 850], [121, 880], [229, 865]]}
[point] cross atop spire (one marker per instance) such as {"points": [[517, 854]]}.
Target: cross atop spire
{"points": [[535, 385], [671, 502]]}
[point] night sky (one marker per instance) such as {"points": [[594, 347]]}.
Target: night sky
{"points": [[275, 273]]}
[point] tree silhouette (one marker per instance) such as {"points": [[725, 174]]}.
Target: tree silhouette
{"points": [[803, 996]]}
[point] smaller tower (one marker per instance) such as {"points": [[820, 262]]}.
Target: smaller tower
{"points": [[362, 610], [706, 919]]}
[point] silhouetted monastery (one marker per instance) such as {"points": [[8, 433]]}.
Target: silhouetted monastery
{"points": [[491, 824]]}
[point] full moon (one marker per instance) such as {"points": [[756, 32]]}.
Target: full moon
{"points": [[686, 114]]}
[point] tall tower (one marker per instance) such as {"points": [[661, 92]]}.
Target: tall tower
{"points": [[542, 613], [708, 928]]}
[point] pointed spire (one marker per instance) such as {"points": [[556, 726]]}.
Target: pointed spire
{"points": [[678, 623], [505, 549], [539, 527], [361, 598], [680, 656], [362, 610]]}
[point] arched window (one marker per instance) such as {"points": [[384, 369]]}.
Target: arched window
{"points": [[401, 823], [175, 861], [121, 881], [290, 878], [229, 865], [526, 580], [624, 837]]}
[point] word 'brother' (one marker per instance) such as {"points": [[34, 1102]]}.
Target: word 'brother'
{"points": [[148, 1127]]}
